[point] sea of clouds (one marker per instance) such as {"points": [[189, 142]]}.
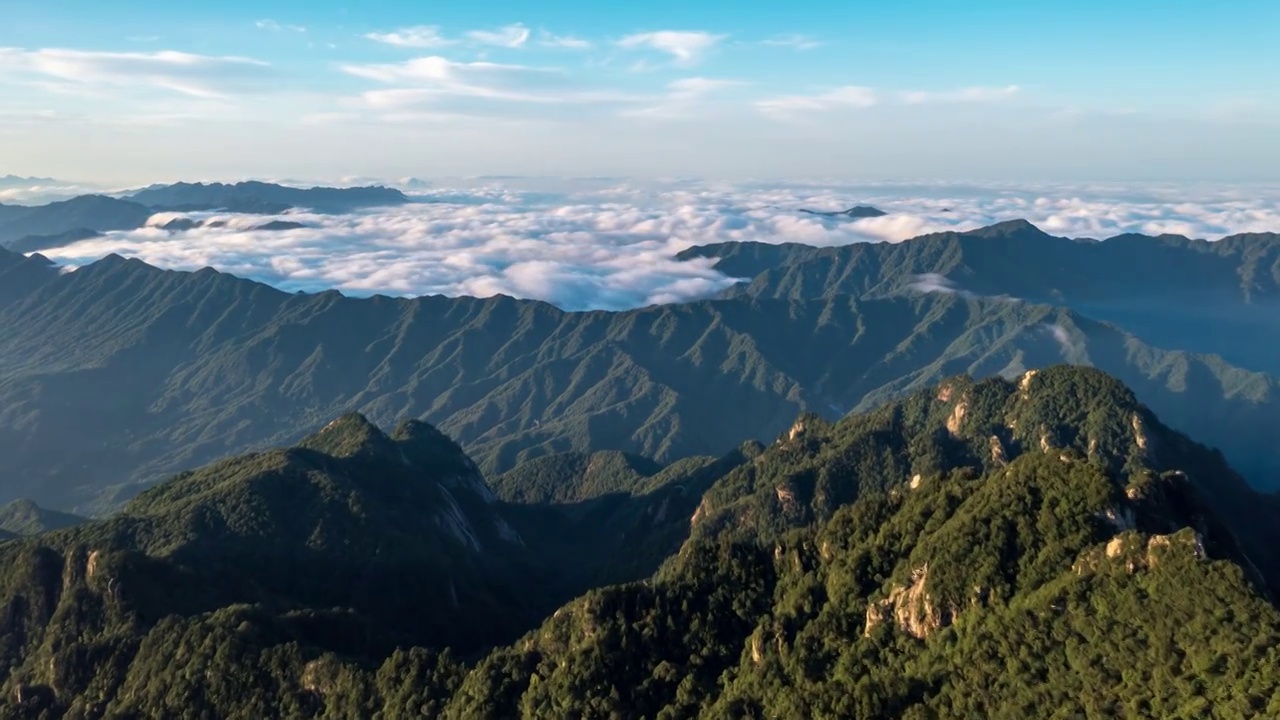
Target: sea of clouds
{"points": [[610, 244]]}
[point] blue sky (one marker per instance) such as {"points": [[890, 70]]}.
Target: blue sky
{"points": [[134, 90]]}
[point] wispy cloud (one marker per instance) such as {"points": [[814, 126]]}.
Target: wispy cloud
{"points": [[936, 283], [797, 42], [429, 83], [547, 39], [511, 36], [418, 36], [685, 47], [789, 107], [683, 98], [274, 26], [437, 75], [964, 95], [200, 76]]}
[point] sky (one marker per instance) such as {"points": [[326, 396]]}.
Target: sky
{"points": [[135, 91]]}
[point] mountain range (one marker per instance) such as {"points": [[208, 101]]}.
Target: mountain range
{"points": [[168, 370], [33, 228], [1214, 297], [17, 181], [994, 548], [958, 476]]}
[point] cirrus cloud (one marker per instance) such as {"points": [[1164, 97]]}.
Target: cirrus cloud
{"points": [[417, 36], [685, 47], [200, 76]]}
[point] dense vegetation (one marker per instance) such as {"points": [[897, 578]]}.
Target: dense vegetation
{"points": [[1039, 548], [1207, 297], [23, 517], [168, 370]]}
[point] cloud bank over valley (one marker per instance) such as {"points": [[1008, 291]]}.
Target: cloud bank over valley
{"points": [[610, 244]]}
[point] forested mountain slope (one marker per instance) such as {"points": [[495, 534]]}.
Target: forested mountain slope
{"points": [[162, 371], [1042, 547], [1218, 297]]}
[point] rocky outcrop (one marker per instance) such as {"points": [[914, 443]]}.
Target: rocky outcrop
{"points": [[1136, 551], [910, 608]]}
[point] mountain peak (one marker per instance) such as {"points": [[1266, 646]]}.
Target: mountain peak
{"points": [[349, 435], [1009, 228]]}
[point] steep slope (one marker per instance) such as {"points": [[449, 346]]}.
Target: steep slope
{"points": [[1075, 562], [97, 213], [1083, 580], [573, 476], [1209, 297], [23, 517], [168, 370], [604, 522], [265, 197], [354, 542]]}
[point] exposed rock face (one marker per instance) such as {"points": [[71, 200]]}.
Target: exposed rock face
{"points": [[1139, 432], [701, 512], [998, 454], [956, 419], [797, 430], [910, 608], [787, 497], [1025, 384], [1139, 552]]}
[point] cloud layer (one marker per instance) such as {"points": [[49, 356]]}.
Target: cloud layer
{"points": [[610, 245]]}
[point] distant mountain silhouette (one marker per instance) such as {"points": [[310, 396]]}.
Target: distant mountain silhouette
{"points": [[859, 211], [259, 197], [25, 225], [33, 228]]}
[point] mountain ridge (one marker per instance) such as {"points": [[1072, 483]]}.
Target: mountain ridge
{"points": [[979, 547], [39, 227], [204, 364]]}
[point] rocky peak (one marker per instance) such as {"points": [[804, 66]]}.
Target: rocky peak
{"points": [[348, 436]]}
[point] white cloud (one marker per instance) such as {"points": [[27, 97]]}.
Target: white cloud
{"points": [[436, 74], [685, 47], [797, 42], [511, 36], [789, 107], [444, 86], [200, 76], [569, 42], [935, 283], [274, 26], [418, 36], [964, 95]]}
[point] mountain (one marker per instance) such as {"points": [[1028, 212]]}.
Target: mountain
{"points": [[33, 243], [858, 211], [354, 541], [1207, 297], [977, 549], [26, 226], [23, 517], [168, 370], [1086, 580], [32, 228], [596, 519], [15, 181], [268, 198]]}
